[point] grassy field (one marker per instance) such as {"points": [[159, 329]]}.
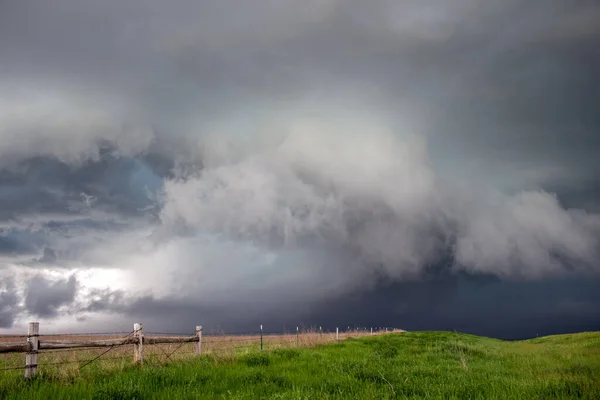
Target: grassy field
{"points": [[405, 365]]}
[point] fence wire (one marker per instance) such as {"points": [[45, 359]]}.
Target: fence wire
{"points": [[109, 349], [160, 353], [83, 362]]}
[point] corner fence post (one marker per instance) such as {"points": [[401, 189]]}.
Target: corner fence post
{"points": [[137, 348], [33, 339], [199, 342]]}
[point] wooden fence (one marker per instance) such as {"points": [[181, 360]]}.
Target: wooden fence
{"points": [[34, 343]]}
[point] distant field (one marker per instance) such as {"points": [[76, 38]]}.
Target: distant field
{"points": [[431, 365]]}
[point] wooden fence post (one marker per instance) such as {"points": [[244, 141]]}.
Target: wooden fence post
{"points": [[371, 331], [297, 337], [337, 334], [199, 342], [137, 348], [261, 339], [33, 339]]}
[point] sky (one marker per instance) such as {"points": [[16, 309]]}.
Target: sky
{"points": [[410, 164]]}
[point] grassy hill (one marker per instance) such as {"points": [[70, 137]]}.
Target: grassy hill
{"points": [[407, 365]]}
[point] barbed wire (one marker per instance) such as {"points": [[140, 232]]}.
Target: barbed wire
{"points": [[214, 344], [109, 349], [13, 368], [205, 335], [230, 340], [173, 352], [170, 333], [69, 350]]}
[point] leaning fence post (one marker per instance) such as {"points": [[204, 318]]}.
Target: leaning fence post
{"points": [[33, 339], [261, 339], [137, 348], [199, 338]]}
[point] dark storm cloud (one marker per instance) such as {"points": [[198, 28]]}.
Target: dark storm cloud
{"points": [[583, 193], [107, 111], [44, 297], [473, 304], [171, 314], [478, 305], [44, 200], [508, 89], [45, 185], [513, 81], [48, 257], [18, 242], [9, 303]]}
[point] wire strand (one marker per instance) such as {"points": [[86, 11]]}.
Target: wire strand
{"points": [[103, 353]]}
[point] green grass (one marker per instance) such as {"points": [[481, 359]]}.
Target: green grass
{"points": [[432, 365]]}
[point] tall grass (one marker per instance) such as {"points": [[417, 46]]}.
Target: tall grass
{"points": [[428, 365]]}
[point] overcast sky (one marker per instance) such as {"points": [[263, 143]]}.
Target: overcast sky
{"points": [[416, 164]]}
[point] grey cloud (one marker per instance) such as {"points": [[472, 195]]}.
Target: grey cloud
{"points": [[211, 100], [583, 194], [480, 78], [9, 303], [48, 203], [18, 242], [105, 300], [530, 231], [441, 302], [44, 185], [44, 297], [465, 303], [49, 256], [378, 196]]}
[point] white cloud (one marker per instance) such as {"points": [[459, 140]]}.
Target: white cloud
{"points": [[363, 189]]}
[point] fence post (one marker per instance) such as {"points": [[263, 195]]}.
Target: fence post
{"points": [[337, 334], [297, 337], [371, 331], [321, 333], [33, 338], [261, 339], [199, 342], [137, 348]]}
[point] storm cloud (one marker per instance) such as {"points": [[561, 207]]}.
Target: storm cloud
{"points": [[8, 303], [44, 297], [273, 161]]}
